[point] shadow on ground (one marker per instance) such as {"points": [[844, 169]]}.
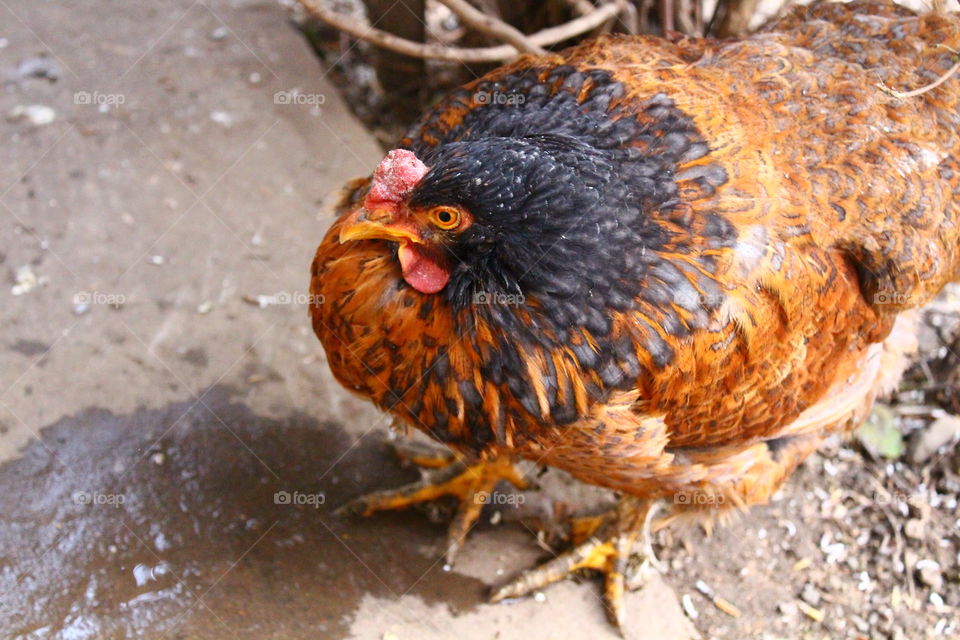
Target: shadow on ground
{"points": [[172, 523]]}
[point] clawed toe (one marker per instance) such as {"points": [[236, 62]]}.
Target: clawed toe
{"points": [[608, 546], [470, 484]]}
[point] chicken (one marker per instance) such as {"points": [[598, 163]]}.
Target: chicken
{"points": [[670, 268]]}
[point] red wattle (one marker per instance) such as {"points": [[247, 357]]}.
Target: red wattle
{"points": [[424, 272]]}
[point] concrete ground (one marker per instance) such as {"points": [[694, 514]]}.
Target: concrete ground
{"points": [[160, 388]]}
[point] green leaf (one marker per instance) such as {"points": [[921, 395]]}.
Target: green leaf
{"points": [[880, 436]]}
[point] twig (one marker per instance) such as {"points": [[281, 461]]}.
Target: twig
{"points": [[666, 16], [580, 7], [903, 95], [630, 19], [499, 53], [646, 6], [491, 26], [720, 603], [685, 18], [811, 612], [735, 20]]}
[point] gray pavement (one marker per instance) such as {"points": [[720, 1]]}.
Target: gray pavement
{"points": [[159, 382]]}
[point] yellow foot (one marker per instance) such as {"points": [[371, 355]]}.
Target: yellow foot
{"points": [[470, 483], [603, 543]]}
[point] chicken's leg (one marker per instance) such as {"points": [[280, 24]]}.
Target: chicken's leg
{"points": [[470, 482], [603, 543]]}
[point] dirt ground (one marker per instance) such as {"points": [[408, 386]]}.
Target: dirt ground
{"points": [[172, 445]]}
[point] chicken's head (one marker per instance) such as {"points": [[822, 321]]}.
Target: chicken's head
{"points": [[386, 214], [550, 218]]}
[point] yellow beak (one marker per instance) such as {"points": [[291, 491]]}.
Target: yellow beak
{"points": [[377, 225]]}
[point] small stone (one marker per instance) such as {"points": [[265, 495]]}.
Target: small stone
{"points": [[810, 595], [929, 573], [37, 114], [862, 625], [788, 609], [158, 458], [540, 596], [222, 117], [39, 67], [914, 528], [704, 588], [834, 583], [925, 442], [218, 34], [26, 281]]}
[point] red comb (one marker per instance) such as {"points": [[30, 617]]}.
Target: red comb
{"points": [[395, 177]]}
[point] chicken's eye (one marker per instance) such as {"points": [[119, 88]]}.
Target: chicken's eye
{"points": [[445, 217]]}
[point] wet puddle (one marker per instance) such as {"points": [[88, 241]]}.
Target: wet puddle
{"points": [[163, 523]]}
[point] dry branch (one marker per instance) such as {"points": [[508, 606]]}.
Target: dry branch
{"points": [[736, 16], [544, 38], [491, 26]]}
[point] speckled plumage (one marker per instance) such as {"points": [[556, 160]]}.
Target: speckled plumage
{"points": [[686, 255]]}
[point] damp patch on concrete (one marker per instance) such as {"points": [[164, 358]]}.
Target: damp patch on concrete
{"points": [[203, 519]]}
